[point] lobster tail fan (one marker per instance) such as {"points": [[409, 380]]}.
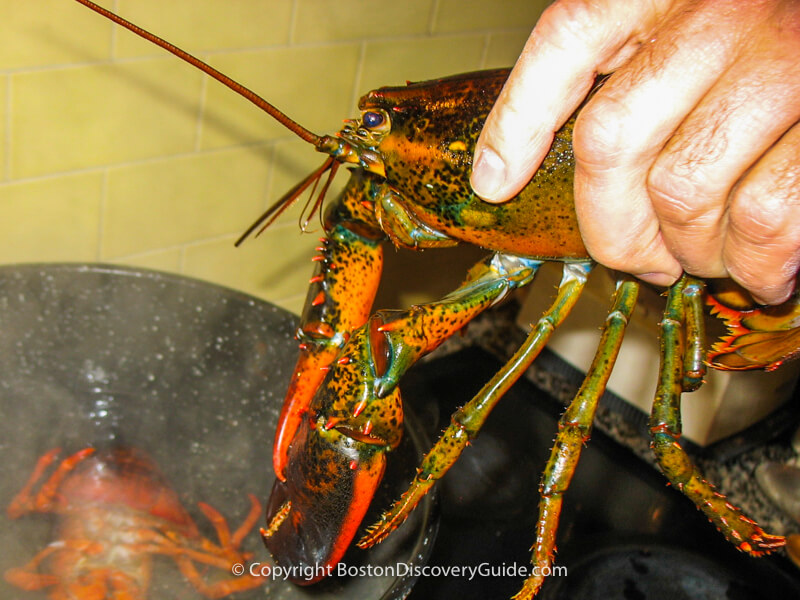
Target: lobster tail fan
{"points": [[758, 337], [278, 208]]}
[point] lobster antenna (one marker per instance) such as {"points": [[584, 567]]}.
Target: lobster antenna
{"points": [[284, 120]]}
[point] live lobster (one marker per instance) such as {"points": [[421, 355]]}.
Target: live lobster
{"points": [[115, 513], [410, 155]]}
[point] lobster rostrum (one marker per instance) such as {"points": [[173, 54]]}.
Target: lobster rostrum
{"points": [[115, 512], [410, 156]]}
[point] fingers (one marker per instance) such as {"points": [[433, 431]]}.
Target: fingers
{"points": [[573, 40], [621, 132], [762, 248], [687, 158], [754, 102]]}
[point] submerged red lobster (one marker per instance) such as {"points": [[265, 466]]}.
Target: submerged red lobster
{"points": [[115, 513], [410, 155]]}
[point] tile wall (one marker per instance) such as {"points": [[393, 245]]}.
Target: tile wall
{"points": [[113, 151]]}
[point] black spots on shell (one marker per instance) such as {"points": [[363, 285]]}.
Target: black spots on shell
{"points": [[322, 478], [415, 129], [451, 213]]}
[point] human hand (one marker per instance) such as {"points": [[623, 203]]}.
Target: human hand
{"points": [[688, 157]]}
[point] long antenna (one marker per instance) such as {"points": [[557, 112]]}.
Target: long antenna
{"points": [[279, 116]]}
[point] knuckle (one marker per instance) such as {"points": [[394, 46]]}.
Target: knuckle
{"points": [[772, 186], [599, 138], [675, 198], [567, 20], [772, 286], [759, 218], [765, 254]]}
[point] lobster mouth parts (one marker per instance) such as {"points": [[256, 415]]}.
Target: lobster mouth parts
{"points": [[313, 516], [313, 205]]}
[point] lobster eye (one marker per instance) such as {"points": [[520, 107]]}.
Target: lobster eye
{"points": [[372, 119]]}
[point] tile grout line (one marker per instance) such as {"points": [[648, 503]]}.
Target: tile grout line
{"points": [[485, 53], [362, 59], [104, 184], [269, 192], [6, 174], [146, 161], [161, 55], [114, 41], [201, 110], [268, 148], [182, 259], [182, 247], [433, 17], [292, 37]]}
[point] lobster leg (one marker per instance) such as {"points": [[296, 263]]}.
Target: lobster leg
{"points": [[467, 421], [29, 578], [124, 588], [218, 589], [412, 334], [337, 457], [226, 539], [684, 305], [574, 430], [221, 557], [43, 501]]}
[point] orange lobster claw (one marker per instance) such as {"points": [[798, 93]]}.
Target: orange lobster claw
{"points": [[313, 516]]}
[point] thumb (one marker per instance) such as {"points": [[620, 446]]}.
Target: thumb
{"points": [[572, 42]]}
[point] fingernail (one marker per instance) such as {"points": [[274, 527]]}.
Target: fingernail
{"points": [[663, 279], [488, 174]]}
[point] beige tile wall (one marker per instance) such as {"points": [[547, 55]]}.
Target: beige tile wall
{"points": [[113, 151]]}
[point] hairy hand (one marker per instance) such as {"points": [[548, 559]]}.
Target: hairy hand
{"points": [[688, 158]]}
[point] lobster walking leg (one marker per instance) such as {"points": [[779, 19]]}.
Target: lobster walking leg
{"points": [[224, 535], [337, 456], [683, 304], [218, 589], [26, 502], [467, 421], [411, 334], [574, 430], [30, 578]]}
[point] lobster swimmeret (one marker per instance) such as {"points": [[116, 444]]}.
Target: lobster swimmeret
{"points": [[410, 155], [115, 512]]}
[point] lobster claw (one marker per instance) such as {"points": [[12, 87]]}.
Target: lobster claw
{"points": [[335, 461], [315, 513]]}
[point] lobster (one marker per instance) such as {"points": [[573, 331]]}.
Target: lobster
{"points": [[409, 156], [115, 511]]}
